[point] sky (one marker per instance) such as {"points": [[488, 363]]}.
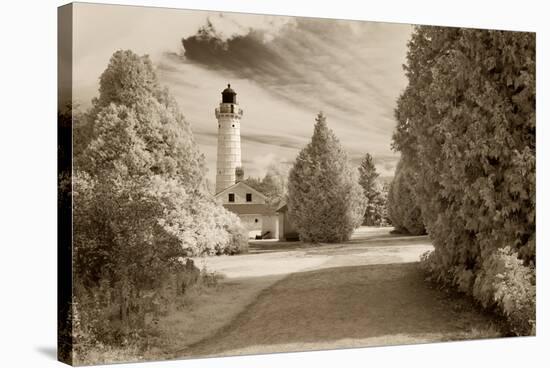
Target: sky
{"points": [[284, 70]]}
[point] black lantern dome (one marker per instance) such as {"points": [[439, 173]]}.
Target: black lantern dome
{"points": [[229, 96]]}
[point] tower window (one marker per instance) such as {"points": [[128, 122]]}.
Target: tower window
{"points": [[231, 197], [232, 108], [233, 125], [256, 220], [249, 197]]}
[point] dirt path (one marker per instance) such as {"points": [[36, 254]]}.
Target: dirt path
{"points": [[367, 292]]}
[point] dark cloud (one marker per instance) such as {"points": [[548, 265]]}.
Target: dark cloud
{"points": [[245, 54], [317, 64]]}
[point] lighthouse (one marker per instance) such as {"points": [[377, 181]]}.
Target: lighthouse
{"points": [[228, 161]]}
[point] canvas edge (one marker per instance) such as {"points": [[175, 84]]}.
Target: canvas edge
{"points": [[64, 173]]}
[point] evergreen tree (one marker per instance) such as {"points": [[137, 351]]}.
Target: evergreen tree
{"points": [[367, 179], [466, 128], [325, 201], [383, 205], [405, 214]]}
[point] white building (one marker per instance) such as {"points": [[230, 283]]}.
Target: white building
{"points": [[285, 227], [229, 139], [236, 196], [250, 205]]}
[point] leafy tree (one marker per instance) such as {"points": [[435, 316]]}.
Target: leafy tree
{"points": [[466, 127], [117, 235], [273, 185], [326, 202], [279, 174], [255, 182], [128, 79], [134, 113], [140, 198]]}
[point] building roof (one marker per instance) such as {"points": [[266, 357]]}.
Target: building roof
{"points": [[228, 90], [283, 207], [229, 95], [249, 209], [240, 183]]}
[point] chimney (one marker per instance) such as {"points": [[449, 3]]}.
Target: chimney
{"points": [[239, 174]]}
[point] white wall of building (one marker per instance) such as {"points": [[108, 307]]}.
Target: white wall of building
{"points": [[271, 223], [229, 144]]}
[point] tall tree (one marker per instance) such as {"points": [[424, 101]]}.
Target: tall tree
{"points": [[367, 179], [385, 219], [140, 199], [127, 79], [325, 201], [134, 113], [466, 127]]}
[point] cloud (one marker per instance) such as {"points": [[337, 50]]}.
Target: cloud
{"points": [[276, 140], [268, 139], [284, 70], [351, 70]]}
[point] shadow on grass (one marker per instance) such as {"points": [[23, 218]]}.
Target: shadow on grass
{"points": [[309, 310]]}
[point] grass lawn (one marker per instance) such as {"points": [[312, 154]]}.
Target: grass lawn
{"points": [[352, 306]]}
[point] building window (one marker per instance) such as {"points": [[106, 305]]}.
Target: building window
{"points": [[256, 220], [249, 197], [233, 125], [231, 197]]}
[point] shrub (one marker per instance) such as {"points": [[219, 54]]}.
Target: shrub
{"points": [[508, 284], [202, 226], [98, 325], [503, 283]]}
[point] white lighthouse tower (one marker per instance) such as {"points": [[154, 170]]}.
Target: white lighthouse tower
{"points": [[229, 139]]}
